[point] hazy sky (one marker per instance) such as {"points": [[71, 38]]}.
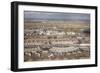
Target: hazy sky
{"points": [[35, 15]]}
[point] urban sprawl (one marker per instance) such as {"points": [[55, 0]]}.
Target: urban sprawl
{"points": [[56, 40]]}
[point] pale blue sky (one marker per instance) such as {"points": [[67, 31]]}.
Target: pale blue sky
{"points": [[34, 15]]}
